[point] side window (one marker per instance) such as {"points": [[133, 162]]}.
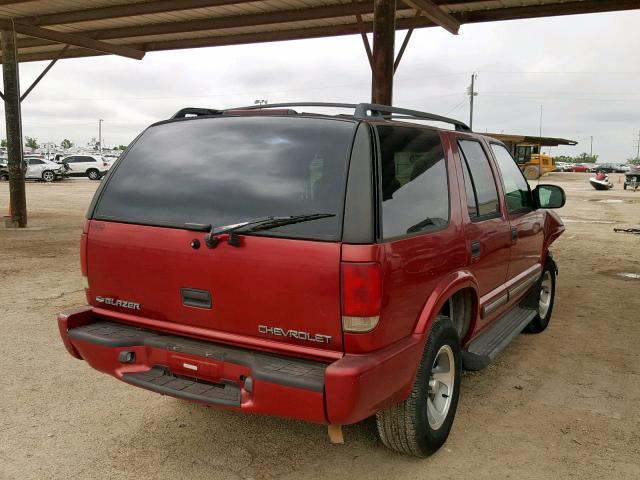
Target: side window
{"points": [[415, 191], [481, 182], [516, 188], [85, 159], [472, 204], [70, 160], [35, 161]]}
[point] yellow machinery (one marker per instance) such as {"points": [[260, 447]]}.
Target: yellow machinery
{"points": [[526, 150], [532, 163]]}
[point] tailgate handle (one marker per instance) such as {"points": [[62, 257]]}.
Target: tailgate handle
{"points": [[196, 298]]}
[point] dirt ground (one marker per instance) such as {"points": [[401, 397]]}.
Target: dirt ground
{"points": [[563, 404]]}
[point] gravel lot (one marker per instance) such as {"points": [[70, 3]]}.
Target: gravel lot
{"points": [[563, 404]]}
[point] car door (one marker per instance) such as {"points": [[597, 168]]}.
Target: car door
{"points": [[527, 236], [486, 228], [419, 230], [34, 168], [82, 164], [71, 164]]}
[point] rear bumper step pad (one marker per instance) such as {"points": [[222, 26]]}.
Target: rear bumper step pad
{"points": [[290, 372], [162, 381]]}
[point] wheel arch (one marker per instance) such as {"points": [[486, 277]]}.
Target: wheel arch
{"points": [[450, 285]]}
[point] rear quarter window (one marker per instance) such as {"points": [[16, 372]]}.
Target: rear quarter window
{"points": [[415, 192]]}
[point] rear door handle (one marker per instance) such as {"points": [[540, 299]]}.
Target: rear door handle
{"points": [[475, 249]]}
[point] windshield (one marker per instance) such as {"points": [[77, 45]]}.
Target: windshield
{"points": [[228, 170]]}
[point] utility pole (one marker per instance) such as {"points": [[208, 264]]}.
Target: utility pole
{"points": [[472, 93], [100, 134], [638, 146], [591, 150]]}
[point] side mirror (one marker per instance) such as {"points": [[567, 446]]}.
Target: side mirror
{"points": [[549, 196]]}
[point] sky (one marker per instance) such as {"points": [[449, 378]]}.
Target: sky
{"points": [[581, 71]]}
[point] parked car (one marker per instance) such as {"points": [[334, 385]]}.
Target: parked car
{"points": [[41, 169], [4, 169], [609, 167], [315, 267], [91, 166], [561, 166], [580, 168]]}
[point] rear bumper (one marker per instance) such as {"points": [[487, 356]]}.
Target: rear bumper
{"points": [[343, 392]]}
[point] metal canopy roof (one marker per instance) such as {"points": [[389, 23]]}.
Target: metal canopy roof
{"points": [[535, 140], [131, 28]]}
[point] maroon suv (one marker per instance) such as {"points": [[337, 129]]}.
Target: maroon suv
{"points": [[318, 267]]}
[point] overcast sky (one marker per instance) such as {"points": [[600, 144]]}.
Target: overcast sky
{"points": [[584, 70]]}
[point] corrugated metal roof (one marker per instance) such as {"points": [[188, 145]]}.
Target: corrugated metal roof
{"points": [[155, 25]]}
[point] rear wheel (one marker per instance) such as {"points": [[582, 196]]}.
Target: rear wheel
{"points": [[93, 174], [546, 299], [48, 176], [421, 424]]}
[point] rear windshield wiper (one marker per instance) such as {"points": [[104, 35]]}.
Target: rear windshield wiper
{"points": [[280, 221], [262, 223]]}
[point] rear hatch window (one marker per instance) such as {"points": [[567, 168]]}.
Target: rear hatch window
{"points": [[226, 170]]}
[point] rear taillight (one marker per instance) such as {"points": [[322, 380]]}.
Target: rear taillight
{"points": [[361, 296]]}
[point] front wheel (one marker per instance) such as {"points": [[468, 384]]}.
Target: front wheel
{"points": [[421, 424], [546, 299], [48, 176], [532, 172]]}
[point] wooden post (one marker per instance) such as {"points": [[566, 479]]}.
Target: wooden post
{"points": [[384, 32], [13, 116]]}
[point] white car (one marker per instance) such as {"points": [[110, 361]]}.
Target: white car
{"points": [[41, 169], [92, 166]]}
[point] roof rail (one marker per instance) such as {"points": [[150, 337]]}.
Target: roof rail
{"points": [[195, 111], [296, 104], [362, 111], [375, 111]]}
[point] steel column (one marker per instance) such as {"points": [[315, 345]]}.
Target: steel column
{"points": [[13, 116], [384, 30]]}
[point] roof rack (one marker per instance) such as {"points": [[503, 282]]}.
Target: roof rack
{"points": [[376, 111], [362, 111], [196, 112]]}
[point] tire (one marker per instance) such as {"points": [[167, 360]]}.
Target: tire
{"points": [[624, 186], [48, 176], [407, 427], [546, 299], [4, 177], [93, 174], [531, 172]]}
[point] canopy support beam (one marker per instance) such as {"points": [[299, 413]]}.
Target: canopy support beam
{"points": [[72, 39], [363, 33], [384, 30], [403, 47], [44, 72], [13, 117]]}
